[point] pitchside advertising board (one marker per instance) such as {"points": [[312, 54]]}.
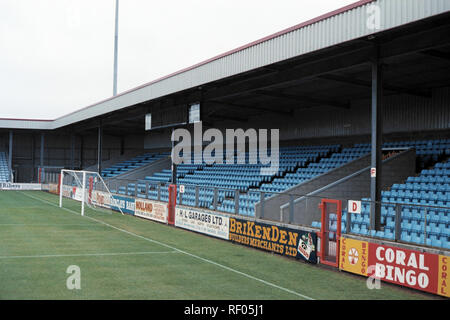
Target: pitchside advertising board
{"points": [[101, 199], [419, 270], [205, 222], [20, 186], [51, 187], [73, 193], [77, 194], [285, 241], [152, 210], [126, 204], [69, 192]]}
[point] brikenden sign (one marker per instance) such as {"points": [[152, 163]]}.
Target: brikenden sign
{"points": [[281, 240]]}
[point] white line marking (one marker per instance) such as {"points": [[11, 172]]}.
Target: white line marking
{"points": [[181, 251], [46, 225], [85, 255]]}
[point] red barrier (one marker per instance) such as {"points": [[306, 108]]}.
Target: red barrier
{"points": [[91, 186], [330, 240], [59, 183], [172, 203]]}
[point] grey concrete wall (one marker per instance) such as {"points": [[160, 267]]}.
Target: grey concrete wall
{"points": [[272, 205], [353, 187], [147, 170], [57, 151], [399, 116], [160, 139], [139, 173], [113, 159]]}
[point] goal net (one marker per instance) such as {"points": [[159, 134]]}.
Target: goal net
{"points": [[88, 189]]}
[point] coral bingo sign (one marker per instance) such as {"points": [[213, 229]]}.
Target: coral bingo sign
{"points": [[410, 268], [404, 267]]}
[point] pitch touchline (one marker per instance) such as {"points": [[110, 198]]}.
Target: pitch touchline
{"points": [[181, 251], [85, 255], [45, 225]]}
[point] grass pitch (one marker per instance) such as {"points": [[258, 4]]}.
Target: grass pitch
{"points": [[123, 257]]}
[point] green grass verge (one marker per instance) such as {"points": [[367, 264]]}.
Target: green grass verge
{"points": [[124, 257]]}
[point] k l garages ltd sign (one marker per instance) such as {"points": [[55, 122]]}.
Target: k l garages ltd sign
{"points": [[205, 222]]}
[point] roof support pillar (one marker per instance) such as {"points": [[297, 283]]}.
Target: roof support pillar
{"points": [[99, 147], [81, 151], [41, 158], [72, 151], [10, 151], [174, 165], [377, 141]]}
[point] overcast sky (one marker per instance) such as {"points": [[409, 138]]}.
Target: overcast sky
{"points": [[56, 56]]}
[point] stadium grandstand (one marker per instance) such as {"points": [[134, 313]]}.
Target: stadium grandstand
{"points": [[363, 114]]}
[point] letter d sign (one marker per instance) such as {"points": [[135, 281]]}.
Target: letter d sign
{"points": [[354, 206]]}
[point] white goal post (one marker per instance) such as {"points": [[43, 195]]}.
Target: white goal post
{"points": [[87, 187]]}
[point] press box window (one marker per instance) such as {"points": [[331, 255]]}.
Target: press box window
{"points": [[194, 113], [148, 121]]}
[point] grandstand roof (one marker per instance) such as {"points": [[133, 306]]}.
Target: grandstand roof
{"points": [[333, 29]]}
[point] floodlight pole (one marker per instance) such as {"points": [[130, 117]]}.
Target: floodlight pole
{"points": [[116, 40]]}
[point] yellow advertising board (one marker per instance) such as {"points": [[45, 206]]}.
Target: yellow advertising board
{"points": [[354, 256], [443, 278]]}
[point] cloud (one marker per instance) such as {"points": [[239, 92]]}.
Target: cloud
{"points": [[56, 56]]}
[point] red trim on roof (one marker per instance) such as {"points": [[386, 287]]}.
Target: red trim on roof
{"points": [[277, 34], [16, 119]]}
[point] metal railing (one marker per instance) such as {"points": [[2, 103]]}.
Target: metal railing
{"points": [[411, 222]]}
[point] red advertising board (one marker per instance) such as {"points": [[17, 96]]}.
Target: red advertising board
{"points": [[404, 267], [410, 268]]}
